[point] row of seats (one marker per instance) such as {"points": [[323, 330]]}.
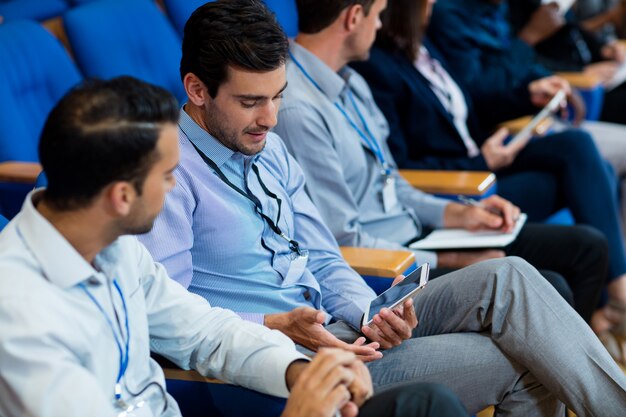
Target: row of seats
{"points": [[178, 10], [107, 38]]}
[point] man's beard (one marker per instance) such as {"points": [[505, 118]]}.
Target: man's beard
{"points": [[229, 137]]}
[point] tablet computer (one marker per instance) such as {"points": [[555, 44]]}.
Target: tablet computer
{"points": [[397, 294], [551, 107]]}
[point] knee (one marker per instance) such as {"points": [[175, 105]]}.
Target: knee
{"points": [[514, 262], [577, 143], [514, 271], [591, 242]]}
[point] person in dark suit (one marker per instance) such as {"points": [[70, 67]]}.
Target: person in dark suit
{"points": [[434, 126], [573, 48]]}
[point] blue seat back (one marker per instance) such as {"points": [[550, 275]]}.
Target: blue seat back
{"points": [[120, 37], [35, 72], [42, 180], [594, 99], [3, 222], [31, 9], [179, 11], [286, 12]]}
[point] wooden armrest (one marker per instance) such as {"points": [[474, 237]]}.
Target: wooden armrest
{"points": [[580, 80], [378, 262], [22, 172], [192, 376], [450, 182], [516, 125]]}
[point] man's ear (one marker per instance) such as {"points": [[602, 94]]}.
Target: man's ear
{"points": [[196, 89], [120, 197], [352, 16]]}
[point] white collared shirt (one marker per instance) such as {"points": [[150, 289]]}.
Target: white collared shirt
{"points": [[58, 355], [449, 94]]}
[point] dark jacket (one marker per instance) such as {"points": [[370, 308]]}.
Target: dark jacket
{"points": [[422, 132], [475, 38]]}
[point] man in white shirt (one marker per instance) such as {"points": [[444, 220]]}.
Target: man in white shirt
{"points": [[82, 305]]}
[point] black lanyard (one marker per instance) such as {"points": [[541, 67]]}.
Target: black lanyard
{"points": [[293, 244]]}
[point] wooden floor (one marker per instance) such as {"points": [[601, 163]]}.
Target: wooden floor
{"points": [[489, 411]]}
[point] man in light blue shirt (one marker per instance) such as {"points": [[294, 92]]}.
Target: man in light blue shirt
{"points": [[240, 195], [82, 306]]}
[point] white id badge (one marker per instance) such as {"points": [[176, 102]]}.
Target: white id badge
{"points": [[390, 199], [297, 266]]}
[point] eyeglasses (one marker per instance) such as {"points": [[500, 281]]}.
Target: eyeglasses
{"points": [[150, 396]]}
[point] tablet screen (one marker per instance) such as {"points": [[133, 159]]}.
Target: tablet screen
{"points": [[391, 297]]}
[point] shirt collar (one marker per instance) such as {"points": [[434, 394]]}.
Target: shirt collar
{"points": [[210, 146], [330, 82], [207, 143], [61, 264]]}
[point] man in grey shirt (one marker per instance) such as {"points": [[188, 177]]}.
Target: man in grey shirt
{"points": [[330, 123]]}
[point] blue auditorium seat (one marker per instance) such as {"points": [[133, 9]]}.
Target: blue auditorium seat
{"points": [[31, 9], [35, 72], [286, 12], [119, 37], [180, 10]]}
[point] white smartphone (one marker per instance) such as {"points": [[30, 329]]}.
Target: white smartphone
{"points": [[397, 294], [551, 107]]}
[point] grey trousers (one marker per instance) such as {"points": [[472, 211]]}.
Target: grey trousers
{"points": [[497, 333]]}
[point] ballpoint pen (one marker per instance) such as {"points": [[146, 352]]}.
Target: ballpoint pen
{"points": [[475, 203]]}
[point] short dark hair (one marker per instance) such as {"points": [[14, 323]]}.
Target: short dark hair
{"points": [[403, 27], [99, 133], [316, 15], [242, 34]]}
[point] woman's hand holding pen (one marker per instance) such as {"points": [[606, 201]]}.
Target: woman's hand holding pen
{"points": [[491, 213]]}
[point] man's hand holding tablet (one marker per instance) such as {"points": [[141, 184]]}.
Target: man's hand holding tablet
{"points": [[390, 318]]}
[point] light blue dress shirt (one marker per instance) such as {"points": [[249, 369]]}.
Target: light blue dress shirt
{"points": [[343, 175], [58, 355], [211, 240]]}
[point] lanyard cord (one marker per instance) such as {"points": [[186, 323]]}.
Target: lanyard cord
{"points": [[444, 89], [369, 138], [124, 352], [294, 246]]}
